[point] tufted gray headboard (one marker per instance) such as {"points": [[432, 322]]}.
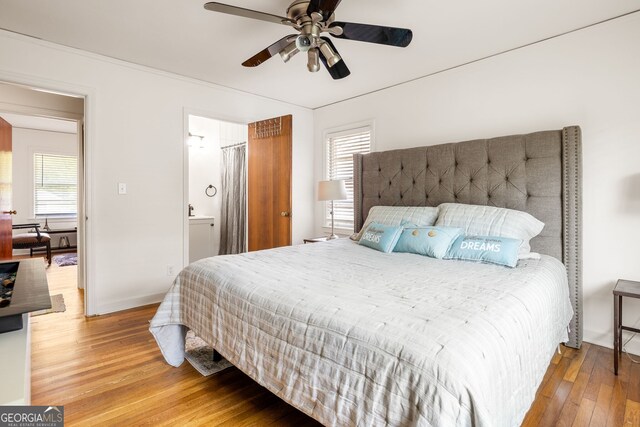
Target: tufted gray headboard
{"points": [[539, 173]]}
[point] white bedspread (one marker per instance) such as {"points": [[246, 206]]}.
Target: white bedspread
{"points": [[352, 336]]}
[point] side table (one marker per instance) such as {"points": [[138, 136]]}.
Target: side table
{"points": [[624, 288], [315, 239]]}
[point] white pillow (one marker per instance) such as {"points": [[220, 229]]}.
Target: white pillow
{"points": [[477, 220], [530, 255], [397, 215]]}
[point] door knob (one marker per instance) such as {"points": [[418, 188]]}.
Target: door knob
{"points": [[13, 212], [284, 213]]}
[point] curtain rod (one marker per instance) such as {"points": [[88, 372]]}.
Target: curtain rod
{"points": [[233, 145]]}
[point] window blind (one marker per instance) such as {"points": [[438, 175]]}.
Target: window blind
{"points": [[341, 146], [55, 185]]}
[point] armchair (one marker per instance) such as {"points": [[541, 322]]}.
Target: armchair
{"points": [[32, 240]]}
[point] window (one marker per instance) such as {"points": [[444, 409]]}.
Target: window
{"points": [[340, 148], [55, 187]]}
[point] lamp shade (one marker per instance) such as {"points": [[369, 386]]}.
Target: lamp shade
{"points": [[332, 190]]}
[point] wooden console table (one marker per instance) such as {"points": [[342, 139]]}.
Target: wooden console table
{"points": [[30, 294]]}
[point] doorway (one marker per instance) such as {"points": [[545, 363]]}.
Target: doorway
{"points": [[47, 178], [217, 221], [208, 142]]}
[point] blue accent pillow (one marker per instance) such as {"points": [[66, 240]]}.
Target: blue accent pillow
{"points": [[381, 237], [487, 249], [427, 240]]}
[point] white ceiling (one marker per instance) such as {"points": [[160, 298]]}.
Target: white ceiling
{"points": [[40, 123], [180, 36]]}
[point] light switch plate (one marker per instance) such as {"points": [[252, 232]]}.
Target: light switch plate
{"points": [[122, 188]]}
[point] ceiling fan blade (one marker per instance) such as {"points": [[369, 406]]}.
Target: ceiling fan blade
{"points": [[247, 13], [399, 37], [339, 69], [268, 52], [326, 7]]}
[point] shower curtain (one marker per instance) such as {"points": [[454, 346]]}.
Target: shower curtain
{"points": [[234, 200]]}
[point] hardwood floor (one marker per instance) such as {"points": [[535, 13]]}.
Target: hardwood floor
{"points": [[108, 370], [580, 389]]}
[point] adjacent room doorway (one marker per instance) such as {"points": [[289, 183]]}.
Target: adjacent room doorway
{"points": [[216, 215], [45, 161], [216, 187]]}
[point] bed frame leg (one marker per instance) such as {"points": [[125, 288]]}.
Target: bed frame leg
{"points": [[216, 356]]}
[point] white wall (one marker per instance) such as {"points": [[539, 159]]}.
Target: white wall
{"points": [[17, 99], [26, 142], [135, 135], [588, 78]]}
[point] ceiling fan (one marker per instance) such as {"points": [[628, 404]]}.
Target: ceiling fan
{"points": [[312, 18]]}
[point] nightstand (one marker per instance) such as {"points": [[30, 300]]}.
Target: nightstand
{"points": [[624, 288], [315, 239]]}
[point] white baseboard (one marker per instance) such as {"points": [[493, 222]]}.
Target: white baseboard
{"points": [[126, 304], [606, 340]]}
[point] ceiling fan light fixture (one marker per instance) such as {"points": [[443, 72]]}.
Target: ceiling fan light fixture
{"points": [[313, 60], [289, 51], [304, 43], [329, 54], [312, 18]]}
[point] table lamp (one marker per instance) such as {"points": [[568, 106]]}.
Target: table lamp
{"points": [[332, 190]]}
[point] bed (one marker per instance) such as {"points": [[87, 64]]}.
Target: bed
{"points": [[352, 336]]}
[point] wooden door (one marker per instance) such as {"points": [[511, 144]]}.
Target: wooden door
{"points": [[5, 189], [269, 183]]}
